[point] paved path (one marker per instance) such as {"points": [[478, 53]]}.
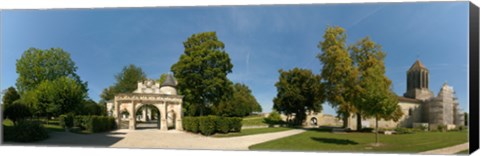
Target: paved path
{"points": [[448, 150], [183, 140]]}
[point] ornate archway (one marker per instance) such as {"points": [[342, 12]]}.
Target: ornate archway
{"points": [[163, 97]]}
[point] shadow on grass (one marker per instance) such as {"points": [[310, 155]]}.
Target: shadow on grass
{"points": [[334, 141]]}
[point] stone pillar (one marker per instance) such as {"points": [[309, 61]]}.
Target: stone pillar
{"points": [[144, 114], [133, 117], [178, 118], [118, 116], [163, 116]]}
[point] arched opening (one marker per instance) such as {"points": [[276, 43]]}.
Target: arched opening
{"points": [[171, 119], [147, 117], [313, 121]]}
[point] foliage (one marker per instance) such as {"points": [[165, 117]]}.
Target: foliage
{"points": [[252, 131], [442, 127], [209, 125], [90, 107], [298, 91], [162, 78], [10, 96], [126, 82], [94, 124], [66, 121], [59, 96], [17, 112], [36, 66], [202, 72], [242, 103], [402, 130], [29, 131], [273, 118]]}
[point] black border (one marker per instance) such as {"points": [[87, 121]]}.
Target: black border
{"points": [[474, 78]]}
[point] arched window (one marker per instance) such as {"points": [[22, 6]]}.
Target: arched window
{"points": [[410, 112]]}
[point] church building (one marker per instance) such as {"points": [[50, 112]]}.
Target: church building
{"points": [[419, 105]]}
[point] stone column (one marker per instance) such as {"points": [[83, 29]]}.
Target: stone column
{"points": [[144, 114], [118, 116], [163, 118], [133, 117], [178, 118]]}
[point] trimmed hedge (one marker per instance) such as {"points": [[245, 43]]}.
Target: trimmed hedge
{"points": [[208, 125], [29, 131], [66, 121], [93, 123]]}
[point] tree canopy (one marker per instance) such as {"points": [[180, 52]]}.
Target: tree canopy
{"points": [[201, 73], [242, 103], [37, 65], [337, 72], [10, 96], [298, 91], [126, 82]]}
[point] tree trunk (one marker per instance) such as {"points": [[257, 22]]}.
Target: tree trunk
{"points": [[345, 120], [376, 130], [359, 122]]}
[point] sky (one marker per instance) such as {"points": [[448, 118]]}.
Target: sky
{"points": [[260, 40]]}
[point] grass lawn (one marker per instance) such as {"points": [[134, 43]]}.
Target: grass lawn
{"points": [[314, 140], [253, 121], [253, 131], [463, 152]]}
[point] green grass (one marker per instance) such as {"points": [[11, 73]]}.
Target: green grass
{"points": [[7, 126], [253, 121], [253, 131], [314, 140]]}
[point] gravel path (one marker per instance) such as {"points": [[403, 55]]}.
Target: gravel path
{"points": [[183, 140], [448, 150]]}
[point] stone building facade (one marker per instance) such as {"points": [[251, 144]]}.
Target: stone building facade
{"points": [[419, 106], [150, 96]]}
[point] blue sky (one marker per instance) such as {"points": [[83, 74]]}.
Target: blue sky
{"points": [[259, 39]]}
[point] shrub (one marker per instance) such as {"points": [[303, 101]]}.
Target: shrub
{"points": [[442, 128], [461, 128], [17, 111], [190, 124], [207, 124], [236, 124], [66, 121], [366, 129], [273, 118], [223, 125], [401, 130], [29, 131]]}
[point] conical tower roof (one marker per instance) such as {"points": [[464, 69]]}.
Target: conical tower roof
{"points": [[169, 81], [417, 66]]}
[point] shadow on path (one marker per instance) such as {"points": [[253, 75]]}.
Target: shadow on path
{"points": [[334, 141], [69, 139]]}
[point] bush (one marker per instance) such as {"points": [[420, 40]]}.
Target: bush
{"points": [[461, 128], [236, 124], [207, 124], [66, 121], [16, 112], [366, 129], [273, 119], [223, 125], [442, 128], [401, 130], [94, 123], [29, 131]]}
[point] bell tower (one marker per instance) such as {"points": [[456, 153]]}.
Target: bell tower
{"points": [[417, 82]]}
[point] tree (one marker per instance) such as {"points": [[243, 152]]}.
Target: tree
{"points": [[126, 82], [374, 97], [337, 72], [16, 112], [90, 107], [10, 96], [163, 77], [242, 103], [36, 66], [201, 73], [298, 91], [60, 96]]}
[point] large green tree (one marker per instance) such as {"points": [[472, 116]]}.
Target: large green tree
{"points": [[242, 103], [375, 97], [298, 91], [59, 96], [126, 82], [337, 72], [201, 73], [37, 65], [162, 78]]}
